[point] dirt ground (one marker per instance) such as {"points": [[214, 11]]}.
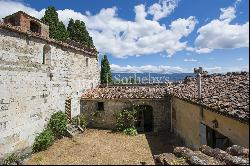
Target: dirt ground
{"points": [[98, 147]]}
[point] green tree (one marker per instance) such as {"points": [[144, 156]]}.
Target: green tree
{"points": [[70, 28], [106, 75], [57, 29], [78, 32]]}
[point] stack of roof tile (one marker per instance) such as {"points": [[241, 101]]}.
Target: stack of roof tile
{"points": [[235, 155]]}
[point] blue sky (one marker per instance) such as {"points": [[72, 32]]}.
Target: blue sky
{"points": [[158, 36]]}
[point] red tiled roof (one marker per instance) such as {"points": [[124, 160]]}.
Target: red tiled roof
{"points": [[225, 94]]}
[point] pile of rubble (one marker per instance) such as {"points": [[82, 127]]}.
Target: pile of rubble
{"points": [[235, 155], [228, 94], [126, 92]]}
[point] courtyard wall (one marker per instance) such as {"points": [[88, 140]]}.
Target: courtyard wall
{"points": [[31, 91], [106, 119]]}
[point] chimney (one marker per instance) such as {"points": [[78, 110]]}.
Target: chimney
{"points": [[199, 85], [198, 71]]}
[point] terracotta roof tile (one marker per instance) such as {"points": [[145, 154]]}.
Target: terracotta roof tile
{"points": [[226, 94], [234, 155]]}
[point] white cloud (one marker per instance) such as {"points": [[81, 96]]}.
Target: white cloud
{"points": [[119, 37], [146, 69], [10, 7], [162, 9], [190, 60], [239, 59], [218, 69], [220, 34], [227, 13]]}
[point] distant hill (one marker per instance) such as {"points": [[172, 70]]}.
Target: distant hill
{"points": [[145, 77]]}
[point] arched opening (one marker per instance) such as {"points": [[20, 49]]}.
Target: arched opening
{"points": [[46, 54], [144, 118], [87, 62], [35, 27]]}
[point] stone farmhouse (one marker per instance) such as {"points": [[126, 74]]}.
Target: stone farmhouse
{"points": [[40, 76], [219, 119]]}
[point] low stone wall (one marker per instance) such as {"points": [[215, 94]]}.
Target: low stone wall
{"points": [[106, 119]]}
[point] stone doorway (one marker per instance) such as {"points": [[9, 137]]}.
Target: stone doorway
{"points": [[144, 118]]}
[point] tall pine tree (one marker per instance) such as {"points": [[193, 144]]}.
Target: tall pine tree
{"points": [[70, 28], [57, 29], [78, 32], [106, 75]]}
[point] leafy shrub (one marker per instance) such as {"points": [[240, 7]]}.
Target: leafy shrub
{"points": [[11, 159], [125, 121], [43, 140], [130, 131], [83, 120], [58, 124]]}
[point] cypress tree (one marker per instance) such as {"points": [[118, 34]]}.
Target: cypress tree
{"points": [[61, 33], [57, 29], [78, 32], [106, 74], [70, 28]]}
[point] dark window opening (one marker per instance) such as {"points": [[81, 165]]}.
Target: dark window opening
{"points": [[216, 139], [100, 106], [12, 21], [34, 27], [46, 54], [87, 62], [213, 138]]}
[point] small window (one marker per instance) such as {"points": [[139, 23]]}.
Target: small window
{"points": [[34, 27], [87, 62], [100, 106]]}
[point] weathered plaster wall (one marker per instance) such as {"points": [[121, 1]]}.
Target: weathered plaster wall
{"points": [[27, 94], [187, 124], [106, 118]]}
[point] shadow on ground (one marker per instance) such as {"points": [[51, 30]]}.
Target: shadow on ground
{"points": [[162, 142]]}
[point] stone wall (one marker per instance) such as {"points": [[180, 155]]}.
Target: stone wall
{"points": [[106, 119], [187, 118], [31, 91]]}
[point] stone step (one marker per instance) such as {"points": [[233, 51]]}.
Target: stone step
{"points": [[73, 130]]}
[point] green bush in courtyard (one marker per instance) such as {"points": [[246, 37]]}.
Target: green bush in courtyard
{"points": [[83, 120], [11, 159], [43, 140], [125, 121], [130, 131], [58, 124]]}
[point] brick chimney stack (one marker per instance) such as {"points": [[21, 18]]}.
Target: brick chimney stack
{"points": [[27, 23]]}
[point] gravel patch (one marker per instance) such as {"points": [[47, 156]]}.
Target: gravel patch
{"points": [[102, 147]]}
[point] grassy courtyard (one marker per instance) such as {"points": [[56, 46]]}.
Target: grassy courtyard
{"points": [[105, 147]]}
